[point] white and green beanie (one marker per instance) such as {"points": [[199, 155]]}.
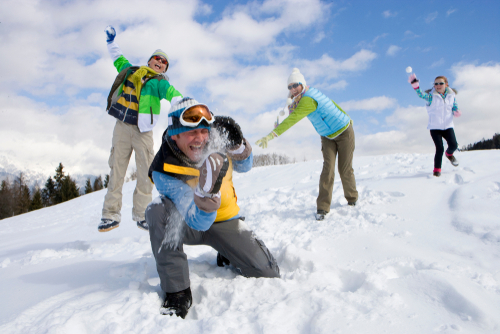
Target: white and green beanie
{"points": [[161, 53]]}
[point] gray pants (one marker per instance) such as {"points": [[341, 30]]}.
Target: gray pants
{"points": [[232, 239], [343, 145]]}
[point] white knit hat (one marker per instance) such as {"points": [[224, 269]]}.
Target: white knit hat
{"points": [[296, 77]]}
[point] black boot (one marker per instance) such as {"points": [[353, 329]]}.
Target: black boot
{"points": [[221, 260], [177, 303], [320, 214]]}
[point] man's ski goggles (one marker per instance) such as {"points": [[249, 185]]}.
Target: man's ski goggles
{"points": [[193, 116], [160, 59], [295, 85]]}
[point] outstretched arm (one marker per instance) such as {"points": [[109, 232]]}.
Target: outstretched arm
{"points": [[306, 106]]}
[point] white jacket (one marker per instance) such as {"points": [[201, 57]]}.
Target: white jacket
{"points": [[440, 113]]}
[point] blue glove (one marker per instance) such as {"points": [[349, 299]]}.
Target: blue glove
{"points": [[111, 33]]}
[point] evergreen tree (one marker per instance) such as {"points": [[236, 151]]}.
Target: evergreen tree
{"points": [[98, 183], [6, 209], [484, 144], [69, 190], [106, 180], [88, 187], [21, 195], [58, 183], [36, 201], [49, 192]]}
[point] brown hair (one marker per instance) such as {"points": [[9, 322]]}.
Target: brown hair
{"points": [[445, 80], [442, 77]]}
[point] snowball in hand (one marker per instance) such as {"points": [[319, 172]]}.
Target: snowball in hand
{"points": [[408, 69]]}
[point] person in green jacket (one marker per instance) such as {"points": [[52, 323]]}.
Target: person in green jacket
{"points": [[337, 137], [134, 101]]}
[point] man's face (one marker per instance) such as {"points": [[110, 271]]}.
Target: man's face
{"points": [[157, 64], [192, 143]]}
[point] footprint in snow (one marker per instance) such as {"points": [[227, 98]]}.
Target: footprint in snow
{"points": [[459, 179]]}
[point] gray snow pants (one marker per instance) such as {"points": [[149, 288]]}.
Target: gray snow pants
{"points": [[232, 239]]}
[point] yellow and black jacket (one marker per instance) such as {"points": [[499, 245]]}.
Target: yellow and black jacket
{"points": [[171, 161]]}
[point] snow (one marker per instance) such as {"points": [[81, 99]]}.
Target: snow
{"points": [[417, 254]]}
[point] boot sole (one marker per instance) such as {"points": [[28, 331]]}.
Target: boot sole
{"points": [[108, 228]]}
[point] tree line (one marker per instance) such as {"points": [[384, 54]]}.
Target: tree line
{"points": [[484, 144], [17, 198], [271, 159]]}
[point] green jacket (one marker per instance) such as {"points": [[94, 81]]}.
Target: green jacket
{"points": [[306, 106], [144, 111]]}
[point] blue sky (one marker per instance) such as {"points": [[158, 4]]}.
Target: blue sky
{"points": [[236, 56]]}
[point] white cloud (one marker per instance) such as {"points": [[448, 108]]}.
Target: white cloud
{"points": [[319, 37], [393, 50], [477, 98], [450, 11], [234, 63], [372, 44], [329, 68], [410, 35], [342, 84], [437, 63], [378, 103], [431, 17], [387, 13]]}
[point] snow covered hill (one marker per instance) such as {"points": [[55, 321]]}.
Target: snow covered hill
{"points": [[418, 254]]}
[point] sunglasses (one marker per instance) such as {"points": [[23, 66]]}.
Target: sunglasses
{"points": [[193, 116], [438, 83], [160, 59], [295, 85]]}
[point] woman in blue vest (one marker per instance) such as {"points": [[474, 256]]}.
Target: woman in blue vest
{"points": [[337, 138]]}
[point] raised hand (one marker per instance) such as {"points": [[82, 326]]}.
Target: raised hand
{"points": [[412, 79], [110, 33]]}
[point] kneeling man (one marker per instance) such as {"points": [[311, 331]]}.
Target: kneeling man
{"points": [[193, 174]]}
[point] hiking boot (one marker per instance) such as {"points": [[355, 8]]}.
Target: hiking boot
{"points": [[320, 214], [437, 174], [452, 159], [221, 260], [107, 225], [143, 225], [351, 203], [177, 303]]}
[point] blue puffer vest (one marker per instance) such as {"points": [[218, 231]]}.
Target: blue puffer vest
{"points": [[327, 118]]}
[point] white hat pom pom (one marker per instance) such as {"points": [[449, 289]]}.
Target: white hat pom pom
{"points": [[289, 101]]}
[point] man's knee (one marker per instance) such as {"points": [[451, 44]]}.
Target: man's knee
{"points": [[158, 209], [265, 264]]}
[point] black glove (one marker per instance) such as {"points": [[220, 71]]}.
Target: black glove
{"points": [[229, 131]]}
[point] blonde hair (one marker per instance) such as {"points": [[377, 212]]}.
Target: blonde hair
{"points": [[445, 80]]}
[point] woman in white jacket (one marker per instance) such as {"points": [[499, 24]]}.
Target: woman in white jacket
{"points": [[441, 107]]}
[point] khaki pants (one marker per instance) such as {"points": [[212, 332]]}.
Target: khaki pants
{"points": [[343, 145], [128, 138]]}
